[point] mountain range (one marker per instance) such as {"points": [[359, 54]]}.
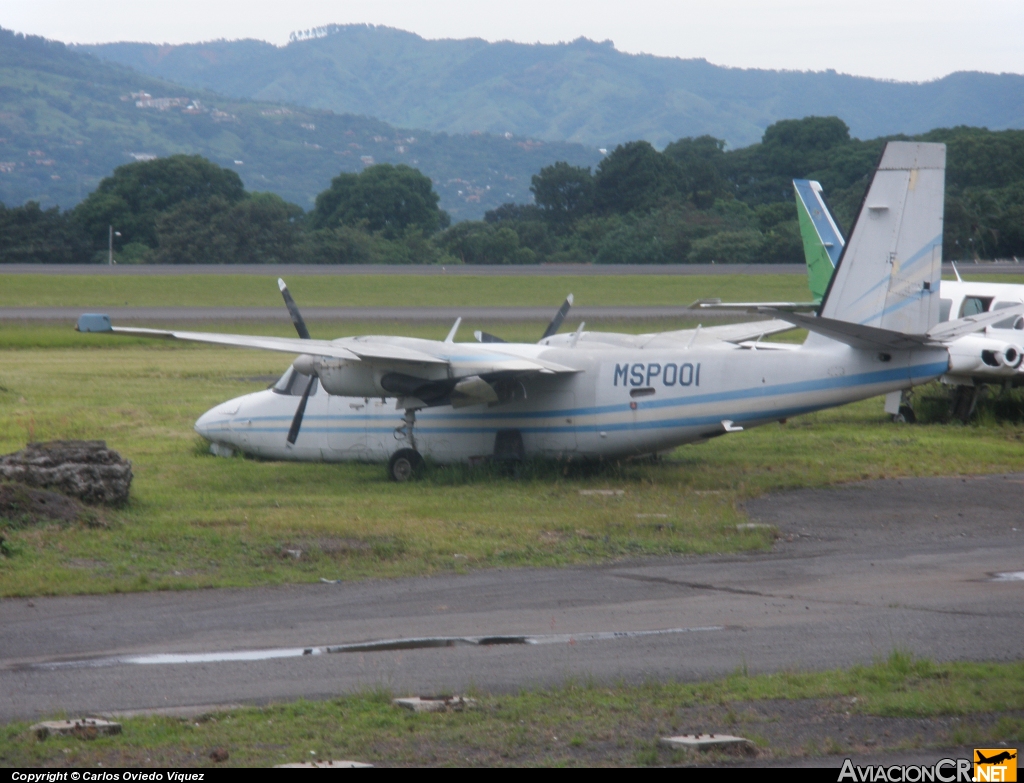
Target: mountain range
{"points": [[583, 91], [67, 119]]}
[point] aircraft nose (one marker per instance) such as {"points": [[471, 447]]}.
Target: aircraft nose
{"points": [[214, 424]]}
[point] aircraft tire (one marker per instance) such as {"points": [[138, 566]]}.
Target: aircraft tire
{"points": [[905, 416], [404, 464]]}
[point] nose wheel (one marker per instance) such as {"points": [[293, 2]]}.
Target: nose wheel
{"points": [[404, 464]]}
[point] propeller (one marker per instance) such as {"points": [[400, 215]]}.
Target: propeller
{"points": [[293, 310], [484, 337], [300, 327], [293, 431], [556, 323]]}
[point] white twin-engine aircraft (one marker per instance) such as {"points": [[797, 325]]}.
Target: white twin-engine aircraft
{"points": [[602, 395]]}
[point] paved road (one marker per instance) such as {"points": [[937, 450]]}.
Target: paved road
{"points": [[126, 315], [545, 270], [857, 571]]}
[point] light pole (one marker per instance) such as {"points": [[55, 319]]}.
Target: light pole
{"points": [[110, 246]]}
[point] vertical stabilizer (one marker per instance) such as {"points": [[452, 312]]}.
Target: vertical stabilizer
{"points": [[822, 239], [888, 274]]}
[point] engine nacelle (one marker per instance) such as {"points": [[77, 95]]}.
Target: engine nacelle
{"points": [[339, 376], [980, 356]]}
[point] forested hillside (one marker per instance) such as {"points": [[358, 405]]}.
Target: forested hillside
{"points": [[67, 120], [695, 202], [581, 91]]}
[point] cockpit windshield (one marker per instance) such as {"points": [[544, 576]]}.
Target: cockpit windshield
{"points": [[294, 383]]}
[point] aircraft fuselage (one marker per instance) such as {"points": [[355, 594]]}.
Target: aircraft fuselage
{"points": [[623, 402]]}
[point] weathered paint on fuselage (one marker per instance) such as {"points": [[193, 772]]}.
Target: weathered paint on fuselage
{"points": [[625, 401]]}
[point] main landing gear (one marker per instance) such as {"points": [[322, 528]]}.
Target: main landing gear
{"points": [[405, 463], [897, 405]]}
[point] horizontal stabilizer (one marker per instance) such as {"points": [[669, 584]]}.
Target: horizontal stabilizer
{"points": [[857, 335], [873, 338]]}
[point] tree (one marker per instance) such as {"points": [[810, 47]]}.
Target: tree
{"points": [[30, 235], [135, 194], [634, 178], [699, 161], [562, 191], [260, 229], [384, 198]]}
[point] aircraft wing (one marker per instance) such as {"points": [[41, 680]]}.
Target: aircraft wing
{"points": [[463, 359], [292, 345], [950, 330], [753, 307], [737, 333]]}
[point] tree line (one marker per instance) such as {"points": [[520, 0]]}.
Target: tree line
{"points": [[693, 202]]}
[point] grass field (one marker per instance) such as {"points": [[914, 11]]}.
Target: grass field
{"points": [[896, 704], [196, 521], [399, 291], [375, 290]]}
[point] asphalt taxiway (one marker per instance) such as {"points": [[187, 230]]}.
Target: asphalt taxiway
{"points": [[932, 566]]}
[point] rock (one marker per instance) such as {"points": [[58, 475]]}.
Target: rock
{"points": [[85, 469]]}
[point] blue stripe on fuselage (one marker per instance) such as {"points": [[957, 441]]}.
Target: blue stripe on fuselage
{"points": [[819, 384]]}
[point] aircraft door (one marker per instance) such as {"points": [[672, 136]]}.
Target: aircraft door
{"points": [[554, 431]]}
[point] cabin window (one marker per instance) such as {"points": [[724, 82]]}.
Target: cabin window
{"points": [[945, 305], [645, 392], [1013, 322], [293, 384], [975, 304]]}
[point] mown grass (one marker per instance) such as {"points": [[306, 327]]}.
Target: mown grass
{"points": [[386, 290], [198, 521], [228, 290], [21, 335], [576, 724]]}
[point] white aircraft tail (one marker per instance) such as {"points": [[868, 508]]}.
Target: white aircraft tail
{"points": [[888, 274]]}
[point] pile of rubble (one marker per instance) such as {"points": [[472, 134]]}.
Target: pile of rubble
{"points": [[83, 469]]}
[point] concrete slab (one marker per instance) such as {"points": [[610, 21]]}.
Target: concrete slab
{"points": [[434, 703], [706, 742], [329, 764], [83, 728]]}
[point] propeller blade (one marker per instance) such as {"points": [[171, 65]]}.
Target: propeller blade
{"points": [[556, 322], [293, 310], [484, 337], [293, 431]]}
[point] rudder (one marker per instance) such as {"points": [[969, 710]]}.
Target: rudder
{"points": [[888, 274]]}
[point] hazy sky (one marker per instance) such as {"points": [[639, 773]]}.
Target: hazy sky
{"points": [[893, 39]]}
